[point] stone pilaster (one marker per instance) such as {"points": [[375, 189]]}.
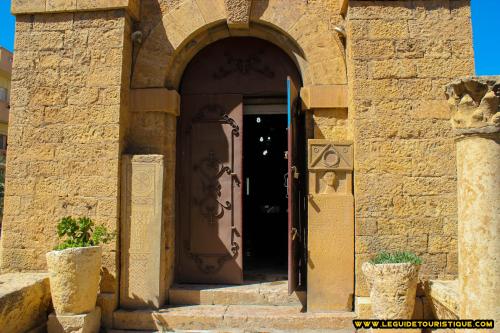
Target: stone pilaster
{"points": [[474, 103]]}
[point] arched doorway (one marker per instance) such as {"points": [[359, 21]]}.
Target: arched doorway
{"points": [[232, 205]]}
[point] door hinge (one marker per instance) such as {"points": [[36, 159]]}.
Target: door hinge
{"points": [[295, 172]]}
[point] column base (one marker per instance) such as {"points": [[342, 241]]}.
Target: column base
{"points": [[82, 323]]}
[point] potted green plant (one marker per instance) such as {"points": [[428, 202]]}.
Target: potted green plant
{"points": [[74, 265], [393, 279]]}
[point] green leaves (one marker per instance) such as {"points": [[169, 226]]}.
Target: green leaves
{"points": [[396, 258], [81, 233]]}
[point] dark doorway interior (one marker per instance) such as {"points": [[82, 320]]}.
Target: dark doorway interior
{"points": [[265, 194]]}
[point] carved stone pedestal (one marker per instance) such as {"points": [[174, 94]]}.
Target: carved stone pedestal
{"points": [[82, 323], [475, 118]]}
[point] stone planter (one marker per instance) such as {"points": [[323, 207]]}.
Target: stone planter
{"points": [[393, 289], [74, 279]]}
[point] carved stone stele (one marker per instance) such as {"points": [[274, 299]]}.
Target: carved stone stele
{"points": [[238, 13], [143, 269], [330, 279], [474, 104]]}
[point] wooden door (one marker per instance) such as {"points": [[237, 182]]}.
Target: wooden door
{"points": [[296, 178], [210, 191]]}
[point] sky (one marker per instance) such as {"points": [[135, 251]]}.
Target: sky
{"points": [[485, 19]]}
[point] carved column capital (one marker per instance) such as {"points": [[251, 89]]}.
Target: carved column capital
{"points": [[474, 104], [238, 13]]}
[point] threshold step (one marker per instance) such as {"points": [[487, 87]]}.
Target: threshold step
{"points": [[239, 331], [250, 293], [224, 318]]}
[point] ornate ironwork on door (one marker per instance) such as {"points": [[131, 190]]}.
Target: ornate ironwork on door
{"points": [[212, 197], [210, 170], [212, 263]]}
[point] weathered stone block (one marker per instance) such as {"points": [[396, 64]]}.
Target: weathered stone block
{"points": [[54, 6], [24, 301], [385, 69], [84, 323], [324, 96], [108, 302], [143, 265], [443, 298], [238, 13], [60, 5], [385, 29], [27, 6], [155, 100], [376, 49]]}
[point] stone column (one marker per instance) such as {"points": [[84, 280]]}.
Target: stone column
{"points": [[474, 103]]}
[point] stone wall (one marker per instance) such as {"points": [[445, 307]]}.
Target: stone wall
{"points": [[173, 31], [67, 127], [24, 302], [401, 55]]}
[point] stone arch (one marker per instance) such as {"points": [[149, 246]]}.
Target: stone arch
{"points": [[300, 29]]}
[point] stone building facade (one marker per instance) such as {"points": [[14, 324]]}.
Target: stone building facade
{"points": [[97, 94], [5, 77]]}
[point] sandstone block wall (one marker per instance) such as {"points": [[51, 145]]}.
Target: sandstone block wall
{"points": [[173, 31], [24, 302], [67, 127], [401, 55]]}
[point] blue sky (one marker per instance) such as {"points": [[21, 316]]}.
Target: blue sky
{"points": [[485, 19]]}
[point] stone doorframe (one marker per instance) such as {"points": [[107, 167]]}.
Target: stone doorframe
{"points": [[158, 67]]}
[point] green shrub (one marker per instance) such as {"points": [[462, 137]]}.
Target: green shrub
{"points": [[81, 232], [396, 258]]}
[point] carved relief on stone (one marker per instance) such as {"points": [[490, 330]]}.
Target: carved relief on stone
{"points": [[474, 103], [238, 13], [330, 182], [327, 155], [330, 167], [142, 237]]}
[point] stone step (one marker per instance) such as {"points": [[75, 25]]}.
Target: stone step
{"points": [[240, 331], [263, 276], [250, 293], [224, 318]]}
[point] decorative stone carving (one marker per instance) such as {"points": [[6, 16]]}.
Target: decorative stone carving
{"points": [[330, 180], [142, 234], [474, 104], [330, 166], [326, 155], [238, 13], [331, 227]]}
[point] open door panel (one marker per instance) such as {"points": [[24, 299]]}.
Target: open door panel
{"points": [[211, 198], [296, 182]]}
